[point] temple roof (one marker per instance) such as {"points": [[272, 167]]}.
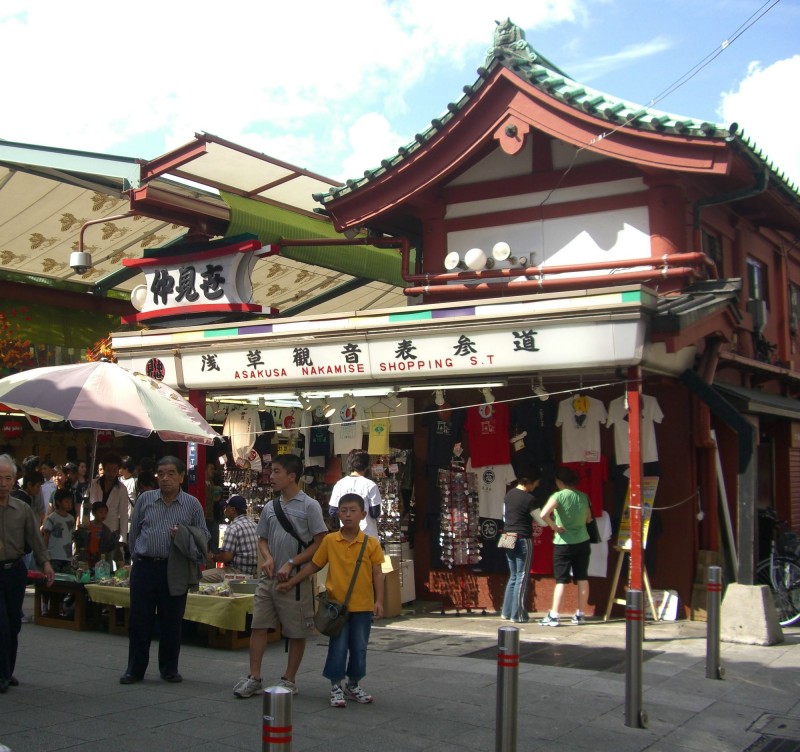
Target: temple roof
{"points": [[512, 52]]}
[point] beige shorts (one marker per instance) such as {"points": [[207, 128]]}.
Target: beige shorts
{"points": [[271, 608]]}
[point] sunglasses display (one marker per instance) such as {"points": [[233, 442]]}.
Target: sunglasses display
{"points": [[459, 534]]}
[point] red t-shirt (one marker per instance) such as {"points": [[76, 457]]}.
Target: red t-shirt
{"points": [[487, 427], [592, 476]]}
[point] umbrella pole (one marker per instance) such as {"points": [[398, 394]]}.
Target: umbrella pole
{"points": [[85, 502]]}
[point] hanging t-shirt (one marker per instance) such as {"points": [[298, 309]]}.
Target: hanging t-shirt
{"points": [[598, 560], [378, 436], [444, 432], [493, 483], [618, 418], [242, 426], [317, 439], [580, 417], [537, 419], [487, 428], [347, 432], [542, 536], [591, 477]]}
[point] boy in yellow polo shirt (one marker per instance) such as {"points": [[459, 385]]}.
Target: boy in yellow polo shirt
{"points": [[347, 653]]}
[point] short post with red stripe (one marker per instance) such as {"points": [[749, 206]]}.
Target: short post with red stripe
{"points": [[507, 689], [713, 623], [276, 732], [635, 717]]}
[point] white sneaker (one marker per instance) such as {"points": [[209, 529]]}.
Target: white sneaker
{"points": [[354, 692], [247, 687], [337, 697], [290, 685]]}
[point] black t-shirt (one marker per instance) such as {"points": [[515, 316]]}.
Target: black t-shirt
{"points": [[538, 419], [517, 508], [444, 432]]}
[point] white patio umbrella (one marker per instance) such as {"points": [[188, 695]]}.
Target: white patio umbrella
{"points": [[104, 396]]}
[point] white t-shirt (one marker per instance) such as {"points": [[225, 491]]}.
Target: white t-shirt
{"points": [[598, 559], [493, 482], [242, 426], [367, 490], [347, 431], [618, 418], [580, 417]]}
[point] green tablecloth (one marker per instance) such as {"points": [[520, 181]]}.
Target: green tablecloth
{"points": [[217, 611]]}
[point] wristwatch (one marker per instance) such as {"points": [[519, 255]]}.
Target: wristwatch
{"points": [[290, 562]]}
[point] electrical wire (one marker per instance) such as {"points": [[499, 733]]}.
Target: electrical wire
{"points": [[685, 78]]}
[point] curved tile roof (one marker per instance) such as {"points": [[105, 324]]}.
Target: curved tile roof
{"points": [[530, 66]]}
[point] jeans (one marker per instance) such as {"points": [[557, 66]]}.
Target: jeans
{"points": [[353, 639], [519, 559]]}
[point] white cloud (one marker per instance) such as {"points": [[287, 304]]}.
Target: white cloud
{"points": [[371, 139], [277, 73], [603, 64], [766, 109]]}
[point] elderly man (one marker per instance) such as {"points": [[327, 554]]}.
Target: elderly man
{"points": [[168, 539], [18, 527]]}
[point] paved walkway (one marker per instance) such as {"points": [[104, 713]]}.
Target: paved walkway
{"points": [[434, 680]]}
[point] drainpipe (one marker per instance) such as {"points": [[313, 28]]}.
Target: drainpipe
{"points": [[759, 186], [553, 285], [538, 272]]}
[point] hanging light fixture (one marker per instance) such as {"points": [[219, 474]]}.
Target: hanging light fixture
{"points": [[488, 395], [393, 399], [328, 409], [438, 397], [350, 400], [539, 390]]}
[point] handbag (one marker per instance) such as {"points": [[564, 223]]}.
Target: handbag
{"points": [[331, 615], [594, 532], [507, 540]]}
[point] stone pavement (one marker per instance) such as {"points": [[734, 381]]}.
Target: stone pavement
{"points": [[434, 679]]}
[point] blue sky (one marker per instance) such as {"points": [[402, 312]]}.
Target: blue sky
{"points": [[335, 87]]}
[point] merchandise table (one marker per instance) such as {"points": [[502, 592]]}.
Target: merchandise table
{"points": [[223, 612], [51, 610]]}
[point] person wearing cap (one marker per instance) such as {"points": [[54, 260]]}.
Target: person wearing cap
{"points": [[239, 551]]}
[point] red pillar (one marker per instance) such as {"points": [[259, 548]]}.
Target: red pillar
{"points": [[197, 481], [634, 391]]}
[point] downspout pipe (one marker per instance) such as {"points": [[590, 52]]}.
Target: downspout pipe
{"points": [[759, 186], [666, 261], [552, 285], [404, 246]]}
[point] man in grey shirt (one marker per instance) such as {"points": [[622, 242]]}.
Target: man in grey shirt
{"points": [[18, 527], [281, 552]]}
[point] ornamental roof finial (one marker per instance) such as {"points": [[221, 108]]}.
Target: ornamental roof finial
{"points": [[509, 41]]}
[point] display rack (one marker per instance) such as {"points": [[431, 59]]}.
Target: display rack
{"points": [[460, 527]]}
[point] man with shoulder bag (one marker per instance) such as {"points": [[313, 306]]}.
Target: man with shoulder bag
{"points": [[290, 531]]}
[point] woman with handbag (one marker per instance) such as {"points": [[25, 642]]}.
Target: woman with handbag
{"points": [[517, 507], [567, 512]]}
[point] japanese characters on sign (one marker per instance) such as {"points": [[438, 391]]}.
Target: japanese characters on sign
{"points": [[210, 284], [409, 355]]}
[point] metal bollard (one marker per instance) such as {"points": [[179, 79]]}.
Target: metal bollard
{"points": [[276, 732], [635, 717], [507, 689], [713, 623]]}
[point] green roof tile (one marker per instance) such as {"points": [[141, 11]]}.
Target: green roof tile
{"points": [[511, 51]]}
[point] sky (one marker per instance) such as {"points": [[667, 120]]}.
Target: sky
{"points": [[336, 87]]}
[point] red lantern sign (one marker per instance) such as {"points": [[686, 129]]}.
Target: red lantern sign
{"points": [[105, 437], [12, 429]]}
